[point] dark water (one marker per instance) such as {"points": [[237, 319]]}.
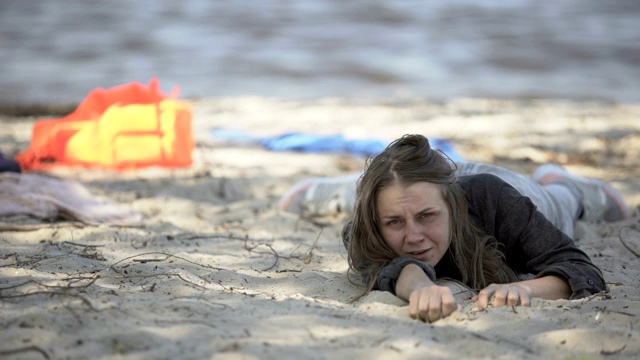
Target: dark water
{"points": [[56, 51]]}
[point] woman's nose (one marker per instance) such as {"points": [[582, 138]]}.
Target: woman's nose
{"points": [[413, 232]]}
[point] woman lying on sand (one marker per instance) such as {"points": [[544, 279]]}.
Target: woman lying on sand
{"points": [[416, 216]]}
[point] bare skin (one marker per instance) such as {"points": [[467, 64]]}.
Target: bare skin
{"points": [[415, 221], [430, 302]]}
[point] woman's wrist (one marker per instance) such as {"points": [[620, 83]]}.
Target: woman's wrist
{"points": [[411, 278]]}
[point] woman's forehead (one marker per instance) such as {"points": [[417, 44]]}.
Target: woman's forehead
{"points": [[417, 194]]}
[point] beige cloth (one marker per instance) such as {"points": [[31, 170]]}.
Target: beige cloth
{"points": [[50, 198]]}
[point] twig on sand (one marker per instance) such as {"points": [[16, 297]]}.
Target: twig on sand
{"points": [[310, 252], [83, 245], [273, 251], [88, 251], [277, 256], [613, 352], [25, 349], [166, 257], [603, 294], [60, 290], [632, 227], [66, 287], [61, 293]]}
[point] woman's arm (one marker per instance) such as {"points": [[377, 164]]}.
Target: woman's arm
{"points": [[430, 302], [531, 243], [427, 301], [520, 293]]}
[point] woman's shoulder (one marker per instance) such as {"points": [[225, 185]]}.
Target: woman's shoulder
{"points": [[484, 181], [493, 203], [486, 190]]}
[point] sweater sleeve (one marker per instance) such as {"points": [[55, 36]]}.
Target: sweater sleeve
{"points": [[389, 274], [532, 244]]}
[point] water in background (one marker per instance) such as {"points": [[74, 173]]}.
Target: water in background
{"points": [[57, 51]]}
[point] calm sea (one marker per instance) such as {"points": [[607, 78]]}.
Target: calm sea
{"points": [[57, 51]]}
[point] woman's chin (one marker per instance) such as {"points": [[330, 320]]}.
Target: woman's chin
{"points": [[424, 256]]}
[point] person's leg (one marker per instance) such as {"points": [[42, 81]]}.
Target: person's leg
{"points": [[598, 199], [560, 196], [558, 203], [321, 196]]}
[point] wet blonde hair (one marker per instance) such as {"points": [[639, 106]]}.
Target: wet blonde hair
{"points": [[407, 161]]}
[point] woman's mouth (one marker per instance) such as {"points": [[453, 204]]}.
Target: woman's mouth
{"points": [[419, 253]]}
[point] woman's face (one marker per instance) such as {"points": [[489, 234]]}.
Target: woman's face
{"points": [[414, 221]]}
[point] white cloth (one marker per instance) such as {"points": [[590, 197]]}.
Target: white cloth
{"points": [[50, 198]]}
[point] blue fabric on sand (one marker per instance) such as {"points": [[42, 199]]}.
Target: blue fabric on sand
{"points": [[8, 165], [323, 143]]}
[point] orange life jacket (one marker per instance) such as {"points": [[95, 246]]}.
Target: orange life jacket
{"points": [[123, 127]]}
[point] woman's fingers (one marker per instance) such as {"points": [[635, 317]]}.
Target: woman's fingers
{"points": [[414, 300], [449, 304], [502, 295], [513, 297], [431, 303], [484, 295]]}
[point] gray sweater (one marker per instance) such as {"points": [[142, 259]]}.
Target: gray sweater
{"points": [[532, 246]]}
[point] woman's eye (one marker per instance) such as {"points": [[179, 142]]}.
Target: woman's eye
{"points": [[426, 215]]}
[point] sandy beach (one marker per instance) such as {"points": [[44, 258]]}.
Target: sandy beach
{"points": [[215, 271]]}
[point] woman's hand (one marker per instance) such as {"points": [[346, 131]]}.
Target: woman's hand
{"points": [[520, 293], [513, 294], [427, 301], [431, 302]]}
